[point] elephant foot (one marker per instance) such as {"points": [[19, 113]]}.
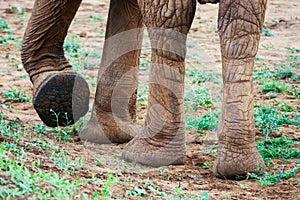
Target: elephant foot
{"points": [[61, 98], [231, 164], [156, 152], [104, 128]]}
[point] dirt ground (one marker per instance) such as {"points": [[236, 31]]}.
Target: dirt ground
{"points": [[191, 177]]}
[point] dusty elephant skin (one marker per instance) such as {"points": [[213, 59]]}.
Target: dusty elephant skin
{"points": [[162, 140], [60, 96]]}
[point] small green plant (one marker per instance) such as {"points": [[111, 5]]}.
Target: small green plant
{"points": [[12, 129], [206, 165], [205, 195], [261, 72], [3, 40], [18, 43], [274, 86], [286, 73], [294, 90], [284, 107], [178, 189], [208, 121], [258, 58], [97, 18], [293, 50], [142, 95], [36, 142], [268, 46], [57, 115], [4, 27], [213, 153], [293, 60], [162, 170], [196, 97], [274, 73], [202, 76], [40, 129], [72, 46], [63, 134], [267, 179], [105, 191], [3, 24], [18, 10], [155, 190], [243, 186], [98, 161], [279, 148], [78, 56], [267, 32], [137, 192], [270, 95], [268, 118], [63, 162], [16, 95]]}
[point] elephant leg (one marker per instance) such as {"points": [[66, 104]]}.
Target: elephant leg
{"points": [[162, 140], [114, 110], [60, 96], [239, 23]]}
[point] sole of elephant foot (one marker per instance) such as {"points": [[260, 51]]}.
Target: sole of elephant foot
{"points": [[62, 99], [140, 151], [106, 130], [232, 165]]}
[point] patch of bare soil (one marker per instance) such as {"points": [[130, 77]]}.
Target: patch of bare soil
{"points": [[191, 177]]}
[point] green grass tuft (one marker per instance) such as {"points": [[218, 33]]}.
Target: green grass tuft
{"points": [[272, 179], [207, 121], [198, 96], [3, 24], [16, 95], [273, 86], [202, 76], [278, 148], [268, 118]]}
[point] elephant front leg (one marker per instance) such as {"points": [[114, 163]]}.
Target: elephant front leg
{"points": [[240, 24], [61, 96], [114, 110], [162, 140]]}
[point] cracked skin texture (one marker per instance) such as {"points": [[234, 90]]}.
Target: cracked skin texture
{"points": [[162, 139]]}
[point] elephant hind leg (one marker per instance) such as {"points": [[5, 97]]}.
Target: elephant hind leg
{"points": [[240, 23], [61, 96], [114, 110], [162, 140]]}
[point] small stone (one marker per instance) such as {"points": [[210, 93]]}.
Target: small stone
{"points": [[275, 134], [83, 34]]}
